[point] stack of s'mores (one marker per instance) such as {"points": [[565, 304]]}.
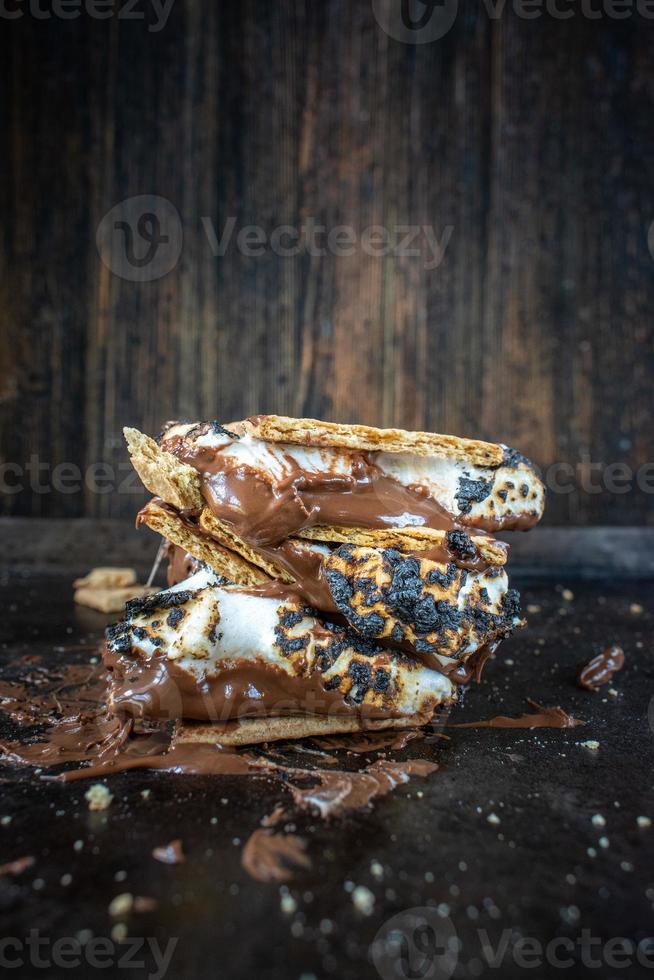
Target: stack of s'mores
{"points": [[324, 578]]}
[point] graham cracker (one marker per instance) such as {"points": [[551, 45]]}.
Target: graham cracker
{"points": [[413, 539], [162, 473], [222, 560], [253, 731], [313, 432]]}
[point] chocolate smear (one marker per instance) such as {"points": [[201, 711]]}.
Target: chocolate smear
{"points": [[70, 708], [370, 742], [185, 759], [337, 793], [601, 668], [74, 725], [542, 717], [268, 856], [274, 818]]}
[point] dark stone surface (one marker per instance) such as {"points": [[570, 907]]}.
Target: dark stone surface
{"points": [[531, 873]]}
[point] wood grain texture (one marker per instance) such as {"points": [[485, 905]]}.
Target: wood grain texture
{"points": [[531, 139]]}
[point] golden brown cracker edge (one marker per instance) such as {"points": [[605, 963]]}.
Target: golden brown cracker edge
{"points": [[411, 539], [313, 432], [162, 473], [222, 532], [253, 731], [223, 561]]}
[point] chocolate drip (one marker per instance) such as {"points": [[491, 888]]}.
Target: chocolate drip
{"points": [[181, 564], [601, 668], [473, 666], [542, 718]]}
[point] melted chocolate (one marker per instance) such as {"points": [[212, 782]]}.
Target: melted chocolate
{"points": [[124, 746], [304, 565], [72, 706], [473, 666], [183, 758], [541, 718], [264, 512], [601, 668], [158, 688], [370, 742], [181, 564], [267, 856], [340, 792]]}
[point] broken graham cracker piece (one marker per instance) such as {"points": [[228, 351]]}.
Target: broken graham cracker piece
{"points": [[111, 600], [223, 561], [253, 731], [162, 473], [312, 432], [411, 539], [106, 578], [222, 532]]}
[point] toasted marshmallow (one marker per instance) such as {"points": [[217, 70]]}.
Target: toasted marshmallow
{"points": [[505, 496], [203, 628], [441, 612]]}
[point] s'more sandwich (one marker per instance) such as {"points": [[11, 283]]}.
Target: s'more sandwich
{"points": [[323, 577]]}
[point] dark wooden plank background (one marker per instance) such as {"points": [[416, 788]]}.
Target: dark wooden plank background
{"points": [[533, 139]]}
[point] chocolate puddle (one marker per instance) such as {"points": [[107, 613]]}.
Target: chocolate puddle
{"points": [[601, 668], [70, 707], [374, 742], [542, 718], [74, 725]]}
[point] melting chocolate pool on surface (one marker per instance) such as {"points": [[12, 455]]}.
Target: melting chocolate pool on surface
{"points": [[542, 717], [74, 725]]}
